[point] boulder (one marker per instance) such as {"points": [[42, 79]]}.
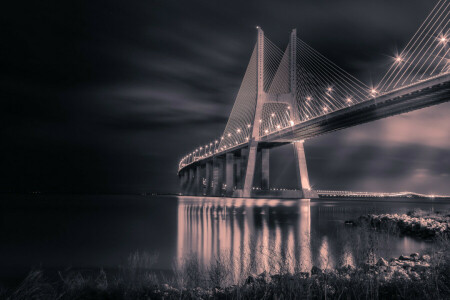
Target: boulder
{"points": [[404, 257], [426, 258], [415, 256], [250, 279], [382, 262], [316, 270]]}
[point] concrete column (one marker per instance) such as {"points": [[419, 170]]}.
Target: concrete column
{"points": [[229, 174], [250, 172], [183, 181], [191, 185], [302, 170], [217, 176], [265, 174], [238, 171], [208, 176], [198, 181]]}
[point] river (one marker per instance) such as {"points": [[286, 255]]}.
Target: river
{"points": [[57, 232]]}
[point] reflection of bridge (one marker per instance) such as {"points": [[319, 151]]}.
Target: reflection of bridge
{"points": [[293, 95]]}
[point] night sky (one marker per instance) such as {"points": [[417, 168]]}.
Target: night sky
{"points": [[107, 96]]}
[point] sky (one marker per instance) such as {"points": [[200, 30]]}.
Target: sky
{"points": [[107, 96]]}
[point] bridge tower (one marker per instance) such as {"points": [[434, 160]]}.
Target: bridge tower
{"points": [[299, 150], [262, 98], [253, 143]]}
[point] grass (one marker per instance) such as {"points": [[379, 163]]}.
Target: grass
{"points": [[225, 279]]}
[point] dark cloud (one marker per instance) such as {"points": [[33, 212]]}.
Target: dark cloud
{"points": [[108, 95]]}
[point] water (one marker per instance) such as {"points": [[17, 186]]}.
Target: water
{"points": [[85, 232]]}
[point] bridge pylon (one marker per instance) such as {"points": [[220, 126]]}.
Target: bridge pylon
{"points": [[265, 98]]}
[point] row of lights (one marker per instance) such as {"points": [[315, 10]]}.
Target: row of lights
{"points": [[266, 131]]}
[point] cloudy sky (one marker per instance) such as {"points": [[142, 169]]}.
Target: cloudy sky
{"points": [[106, 96]]}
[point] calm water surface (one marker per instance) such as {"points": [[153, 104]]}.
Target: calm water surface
{"points": [[57, 232]]}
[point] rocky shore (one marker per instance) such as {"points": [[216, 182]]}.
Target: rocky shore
{"points": [[406, 270], [418, 224]]}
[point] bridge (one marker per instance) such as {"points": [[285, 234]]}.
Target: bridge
{"points": [[290, 96]]}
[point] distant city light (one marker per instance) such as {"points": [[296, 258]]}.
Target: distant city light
{"points": [[329, 89], [308, 98]]}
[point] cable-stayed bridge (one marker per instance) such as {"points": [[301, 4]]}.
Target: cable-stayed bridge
{"points": [[291, 95]]}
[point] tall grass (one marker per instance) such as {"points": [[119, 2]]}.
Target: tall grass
{"points": [[276, 278]]}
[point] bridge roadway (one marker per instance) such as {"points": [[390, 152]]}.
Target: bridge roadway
{"points": [[426, 93]]}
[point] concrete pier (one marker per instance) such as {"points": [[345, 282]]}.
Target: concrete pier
{"points": [[229, 173], [265, 174]]}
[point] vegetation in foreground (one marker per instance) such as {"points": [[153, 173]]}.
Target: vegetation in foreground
{"points": [[369, 276]]}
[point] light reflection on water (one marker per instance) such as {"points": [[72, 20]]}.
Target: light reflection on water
{"points": [[268, 234]]}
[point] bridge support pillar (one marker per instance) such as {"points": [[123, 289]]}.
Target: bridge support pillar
{"points": [[302, 170], [183, 180], [190, 184], [217, 176], [208, 176], [265, 169], [229, 174], [250, 172], [198, 181]]}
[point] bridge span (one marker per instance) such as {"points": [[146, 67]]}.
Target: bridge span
{"points": [[293, 95]]}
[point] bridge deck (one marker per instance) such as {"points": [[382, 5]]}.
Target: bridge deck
{"points": [[423, 94]]}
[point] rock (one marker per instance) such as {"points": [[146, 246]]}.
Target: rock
{"points": [[382, 262], [404, 257], [407, 263], [426, 258], [250, 279], [421, 267], [262, 278], [303, 274], [275, 277], [316, 270], [414, 276], [415, 256]]}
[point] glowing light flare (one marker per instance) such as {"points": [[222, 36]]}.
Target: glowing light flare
{"points": [[278, 126], [266, 131], [443, 39], [398, 59], [291, 122], [272, 115], [308, 98]]}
